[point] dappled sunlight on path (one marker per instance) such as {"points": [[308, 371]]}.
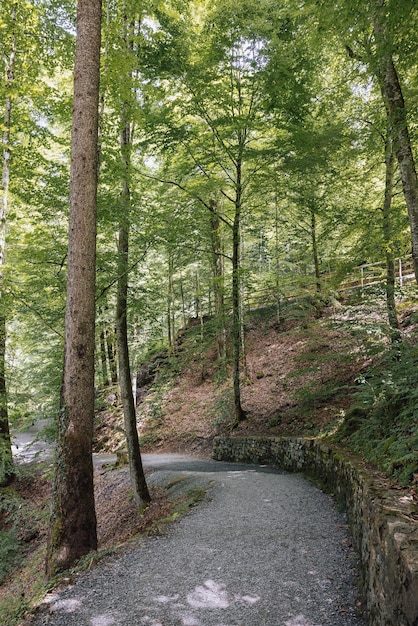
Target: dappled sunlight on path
{"points": [[264, 549], [210, 595]]}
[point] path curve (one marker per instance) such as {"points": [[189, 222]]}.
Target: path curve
{"points": [[266, 548]]}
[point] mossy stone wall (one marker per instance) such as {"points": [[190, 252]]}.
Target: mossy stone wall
{"points": [[383, 520]]}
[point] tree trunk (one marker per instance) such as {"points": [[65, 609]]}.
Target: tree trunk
{"points": [[138, 482], [72, 531], [242, 310], [315, 251], [218, 278], [236, 296], [7, 471], [183, 303], [170, 305], [103, 358], [403, 150], [388, 243], [396, 110], [277, 260], [199, 307], [6, 458], [111, 355]]}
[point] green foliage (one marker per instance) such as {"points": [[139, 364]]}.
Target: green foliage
{"points": [[214, 84], [11, 518], [20, 522], [154, 405], [223, 409], [383, 423], [9, 550], [6, 458], [316, 394]]}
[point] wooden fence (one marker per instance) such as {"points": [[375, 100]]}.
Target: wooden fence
{"points": [[374, 273], [292, 288]]}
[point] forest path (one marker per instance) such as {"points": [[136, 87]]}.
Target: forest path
{"points": [[265, 548], [29, 447]]}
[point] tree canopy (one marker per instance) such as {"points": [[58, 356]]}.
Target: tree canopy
{"points": [[243, 159]]}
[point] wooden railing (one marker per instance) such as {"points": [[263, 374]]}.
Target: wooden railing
{"points": [[374, 273], [362, 276], [293, 287]]}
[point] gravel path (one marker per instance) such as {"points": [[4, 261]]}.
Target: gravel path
{"points": [[265, 548]]}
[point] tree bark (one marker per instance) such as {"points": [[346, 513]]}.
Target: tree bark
{"points": [[199, 304], [170, 305], [218, 278], [236, 297], [73, 521], [103, 358], [388, 243], [111, 355], [138, 482], [7, 471], [277, 259], [183, 303], [137, 476], [396, 110], [315, 252]]}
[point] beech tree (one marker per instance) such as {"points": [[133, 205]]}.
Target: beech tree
{"points": [[393, 98], [127, 98], [214, 116], [6, 460], [379, 38], [73, 520]]}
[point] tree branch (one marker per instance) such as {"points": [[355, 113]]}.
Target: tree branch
{"points": [[193, 195], [115, 280], [31, 308]]}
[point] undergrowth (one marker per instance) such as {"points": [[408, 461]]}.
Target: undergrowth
{"points": [[382, 423], [20, 522], [22, 565]]}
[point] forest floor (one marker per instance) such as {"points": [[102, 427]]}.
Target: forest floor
{"points": [[299, 380], [300, 377]]}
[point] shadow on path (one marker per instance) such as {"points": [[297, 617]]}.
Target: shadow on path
{"points": [[266, 548]]}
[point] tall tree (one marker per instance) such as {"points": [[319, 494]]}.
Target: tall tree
{"points": [[214, 116], [6, 459], [138, 481], [218, 276], [377, 35], [388, 241], [393, 98], [73, 520]]}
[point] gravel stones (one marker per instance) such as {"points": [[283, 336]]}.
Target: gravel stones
{"points": [[265, 548]]}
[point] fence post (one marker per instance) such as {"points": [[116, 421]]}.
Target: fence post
{"points": [[400, 273]]}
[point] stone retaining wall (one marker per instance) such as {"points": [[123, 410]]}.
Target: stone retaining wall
{"points": [[383, 520]]}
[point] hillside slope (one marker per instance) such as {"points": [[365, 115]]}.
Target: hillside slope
{"points": [[295, 381], [300, 377]]}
